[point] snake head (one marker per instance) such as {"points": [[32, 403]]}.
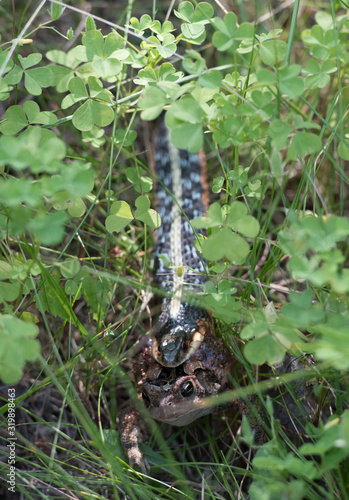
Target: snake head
{"points": [[174, 344]]}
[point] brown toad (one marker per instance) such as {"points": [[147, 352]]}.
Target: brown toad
{"points": [[176, 395]]}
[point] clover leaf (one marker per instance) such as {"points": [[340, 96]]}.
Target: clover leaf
{"points": [[95, 110], [121, 215], [35, 78], [239, 221], [319, 73], [145, 214], [195, 19], [105, 54], [18, 118], [289, 83], [141, 183], [224, 242], [304, 143], [17, 345], [184, 120]]}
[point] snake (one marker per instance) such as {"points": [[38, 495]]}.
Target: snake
{"points": [[179, 269]]}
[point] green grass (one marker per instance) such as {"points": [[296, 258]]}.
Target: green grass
{"points": [[88, 290]]}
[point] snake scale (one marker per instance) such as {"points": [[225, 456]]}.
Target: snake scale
{"points": [[181, 194]]}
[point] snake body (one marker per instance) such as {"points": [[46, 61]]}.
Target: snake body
{"points": [[180, 194]]}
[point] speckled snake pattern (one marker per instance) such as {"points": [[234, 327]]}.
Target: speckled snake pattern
{"points": [[180, 198]]}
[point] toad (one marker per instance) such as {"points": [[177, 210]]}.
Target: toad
{"points": [[177, 396]]}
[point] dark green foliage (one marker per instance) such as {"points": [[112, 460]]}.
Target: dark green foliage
{"points": [[268, 102]]}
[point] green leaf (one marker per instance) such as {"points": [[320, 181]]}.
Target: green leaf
{"points": [[318, 81], [70, 267], [51, 298], [188, 136], [98, 92], [289, 83], [56, 11], [49, 227], [107, 67], [203, 12], [125, 137], [184, 120], [4, 90], [90, 24], [319, 75], [223, 37], [194, 63], [194, 28], [218, 183], [314, 233], [266, 77], [67, 59], [239, 221], [91, 113], [76, 208], [304, 143], [104, 54], [36, 78], [276, 164], [77, 90], [272, 51], [9, 291], [185, 11], [301, 311], [146, 214], [142, 184], [333, 342], [113, 46], [225, 244], [14, 76], [324, 19], [230, 130], [31, 60], [121, 216], [193, 31], [262, 349], [168, 46], [245, 31], [186, 110], [35, 116], [279, 132], [211, 79], [253, 189], [343, 151], [15, 121], [214, 217], [71, 287], [220, 303], [226, 25], [17, 345], [152, 102]]}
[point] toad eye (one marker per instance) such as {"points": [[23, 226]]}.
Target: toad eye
{"points": [[187, 389], [146, 398]]}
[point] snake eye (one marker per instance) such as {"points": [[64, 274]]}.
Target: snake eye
{"points": [[187, 389], [146, 398]]}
